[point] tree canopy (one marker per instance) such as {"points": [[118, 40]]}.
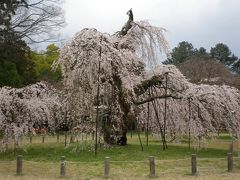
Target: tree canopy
{"points": [[31, 20], [107, 83], [179, 54], [43, 62], [220, 52], [23, 22]]}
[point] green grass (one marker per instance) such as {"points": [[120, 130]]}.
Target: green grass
{"points": [[52, 151], [42, 160], [225, 136]]}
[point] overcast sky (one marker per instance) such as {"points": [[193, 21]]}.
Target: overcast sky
{"points": [[201, 22]]}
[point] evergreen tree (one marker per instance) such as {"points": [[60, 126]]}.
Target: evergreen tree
{"points": [[222, 53], [181, 53]]}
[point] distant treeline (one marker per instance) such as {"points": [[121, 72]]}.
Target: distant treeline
{"points": [[219, 66]]}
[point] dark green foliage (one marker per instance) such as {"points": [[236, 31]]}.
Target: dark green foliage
{"points": [[201, 52], [236, 66], [14, 54], [9, 75], [183, 52], [16, 67], [180, 53], [15, 28], [222, 53]]}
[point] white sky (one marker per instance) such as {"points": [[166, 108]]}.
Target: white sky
{"points": [[201, 22]]}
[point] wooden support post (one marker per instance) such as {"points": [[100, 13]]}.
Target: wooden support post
{"points": [[19, 165], [71, 138], [139, 137], [194, 164], [230, 162], [152, 166], [65, 138], [231, 147], [63, 167], [189, 124], [43, 139], [131, 126], [106, 167], [148, 116], [93, 136], [57, 137], [30, 139], [14, 147], [199, 142]]}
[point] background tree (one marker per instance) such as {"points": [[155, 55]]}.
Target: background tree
{"points": [[43, 62], [222, 53], [9, 74], [201, 70], [181, 53], [201, 52], [219, 66], [16, 52], [23, 109], [32, 20], [236, 66], [23, 22]]}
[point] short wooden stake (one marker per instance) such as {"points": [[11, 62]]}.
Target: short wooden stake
{"points": [[230, 162], [194, 164], [106, 167], [30, 140], [19, 165], [152, 166], [43, 139], [63, 166]]}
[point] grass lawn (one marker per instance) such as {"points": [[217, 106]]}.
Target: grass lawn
{"points": [[41, 161]]}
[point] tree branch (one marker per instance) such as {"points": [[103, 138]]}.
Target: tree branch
{"points": [[142, 88]]}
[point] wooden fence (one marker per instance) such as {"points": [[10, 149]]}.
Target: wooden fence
{"points": [[107, 165]]}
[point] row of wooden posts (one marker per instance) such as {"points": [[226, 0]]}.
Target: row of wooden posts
{"points": [[19, 169]]}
